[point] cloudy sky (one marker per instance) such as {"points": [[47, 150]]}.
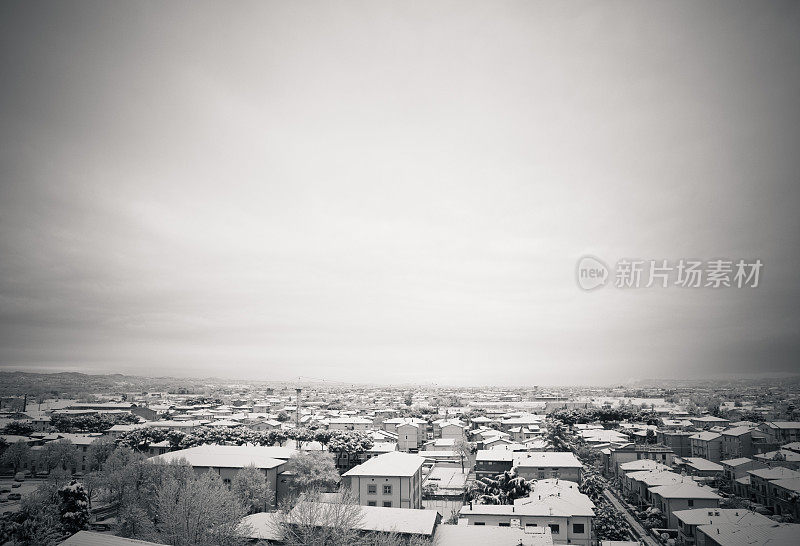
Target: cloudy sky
{"points": [[396, 191]]}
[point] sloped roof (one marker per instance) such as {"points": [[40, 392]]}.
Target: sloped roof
{"points": [[395, 463], [684, 490], [223, 456]]}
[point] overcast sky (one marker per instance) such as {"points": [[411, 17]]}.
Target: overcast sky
{"points": [[395, 191]]}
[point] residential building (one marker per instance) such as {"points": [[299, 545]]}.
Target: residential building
{"points": [[707, 445], [781, 432], [737, 442], [556, 504], [491, 462], [733, 469], [226, 461], [786, 497], [392, 480], [682, 496], [731, 534], [689, 520], [547, 464], [760, 480]]}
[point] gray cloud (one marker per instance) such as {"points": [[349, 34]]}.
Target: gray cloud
{"points": [[394, 191]]}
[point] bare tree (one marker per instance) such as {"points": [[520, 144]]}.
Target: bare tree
{"points": [[312, 522]]}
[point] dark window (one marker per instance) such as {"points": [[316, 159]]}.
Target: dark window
{"points": [[531, 525], [387, 504], [372, 503], [691, 502], [554, 527], [479, 523], [578, 528], [387, 489], [504, 524], [372, 489]]}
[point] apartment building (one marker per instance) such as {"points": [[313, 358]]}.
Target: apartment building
{"points": [[707, 445], [391, 480]]}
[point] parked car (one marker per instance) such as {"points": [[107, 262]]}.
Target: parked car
{"points": [[14, 496], [15, 485]]}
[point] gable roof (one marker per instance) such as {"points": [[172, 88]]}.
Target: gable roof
{"points": [[562, 459], [395, 463], [684, 490], [223, 456]]}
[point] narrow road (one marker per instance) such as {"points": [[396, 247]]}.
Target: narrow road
{"points": [[638, 530]]}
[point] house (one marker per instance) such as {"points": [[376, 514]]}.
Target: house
{"points": [[439, 444], [731, 534], [547, 464], [411, 432], [227, 461], [708, 421], [391, 480], [689, 520], [707, 445], [552, 503], [780, 457], [733, 469], [421, 524], [91, 538], [491, 462], [450, 428], [637, 485], [481, 535], [699, 467], [682, 496], [616, 456], [349, 423], [781, 432]]}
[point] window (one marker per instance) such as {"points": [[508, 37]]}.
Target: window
{"points": [[578, 528], [387, 489], [372, 503], [479, 523], [554, 527], [531, 525], [387, 504], [372, 489], [501, 524], [691, 502]]}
